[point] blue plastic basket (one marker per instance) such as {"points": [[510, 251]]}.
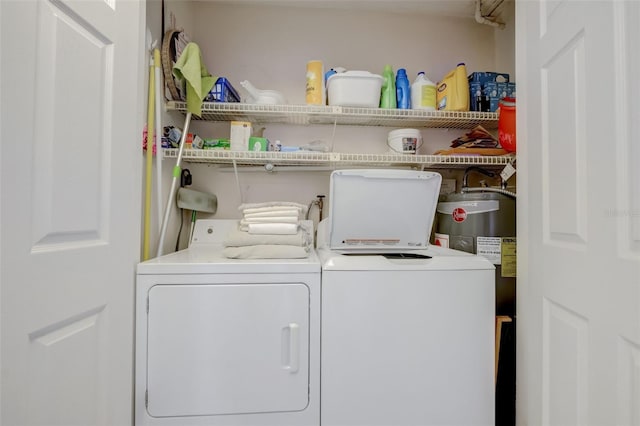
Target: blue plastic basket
{"points": [[222, 91]]}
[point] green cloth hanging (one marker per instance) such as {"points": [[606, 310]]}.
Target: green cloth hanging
{"points": [[190, 68]]}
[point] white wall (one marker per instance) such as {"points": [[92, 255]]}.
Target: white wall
{"points": [[270, 46], [505, 41]]}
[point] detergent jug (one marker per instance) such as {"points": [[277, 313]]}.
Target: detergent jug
{"points": [[453, 90], [388, 97], [403, 90], [423, 93]]}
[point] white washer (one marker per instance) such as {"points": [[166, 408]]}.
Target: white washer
{"points": [[407, 341], [407, 328], [227, 342]]}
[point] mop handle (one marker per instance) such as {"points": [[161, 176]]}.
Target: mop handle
{"points": [[174, 183]]}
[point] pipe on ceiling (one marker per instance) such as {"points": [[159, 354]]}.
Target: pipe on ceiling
{"points": [[483, 20]]}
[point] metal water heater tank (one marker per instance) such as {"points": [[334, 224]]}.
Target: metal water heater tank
{"points": [[483, 223]]}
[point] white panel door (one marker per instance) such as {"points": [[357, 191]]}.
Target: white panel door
{"points": [[72, 107], [579, 215], [227, 349]]}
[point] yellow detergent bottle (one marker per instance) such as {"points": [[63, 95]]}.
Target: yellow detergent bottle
{"points": [[315, 90], [453, 90]]}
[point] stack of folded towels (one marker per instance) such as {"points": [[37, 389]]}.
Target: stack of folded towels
{"points": [[273, 230]]}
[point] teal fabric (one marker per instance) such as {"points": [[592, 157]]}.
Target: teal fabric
{"points": [[198, 81]]}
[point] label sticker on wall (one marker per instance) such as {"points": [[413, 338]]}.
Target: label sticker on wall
{"points": [[509, 258], [489, 247]]}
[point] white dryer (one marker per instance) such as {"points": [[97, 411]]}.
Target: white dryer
{"points": [[226, 342]]}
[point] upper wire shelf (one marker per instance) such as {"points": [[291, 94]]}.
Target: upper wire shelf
{"points": [[318, 114]]}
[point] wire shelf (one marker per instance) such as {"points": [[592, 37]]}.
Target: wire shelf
{"points": [[335, 159], [310, 114]]}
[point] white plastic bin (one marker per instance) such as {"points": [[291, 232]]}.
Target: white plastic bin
{"points": [[355, 89]]}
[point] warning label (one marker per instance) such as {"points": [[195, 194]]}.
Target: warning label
{"points": [[508, 257], [441, 240], [490, 248]]}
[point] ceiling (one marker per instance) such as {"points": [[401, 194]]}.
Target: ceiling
{"points": [[452, 8]]}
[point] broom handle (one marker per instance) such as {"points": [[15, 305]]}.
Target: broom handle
{"points": [[150, 129]]}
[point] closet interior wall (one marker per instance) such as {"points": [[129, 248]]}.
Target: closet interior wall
{"points": [[271, 45]]}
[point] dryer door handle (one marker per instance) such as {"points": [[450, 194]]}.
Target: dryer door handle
{"points": [[290, 348]]}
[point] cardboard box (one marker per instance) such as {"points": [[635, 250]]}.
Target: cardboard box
{"points": [[490, 90], [488, 77], [502, 90], [493, 86], [258, 144], [475, 89], [240, 134]]}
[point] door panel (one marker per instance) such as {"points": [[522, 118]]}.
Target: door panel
{"points": [[628, 383], [563, 150], [52, 357], [579, 269], [202, 346], [564, 366], [68, 126], [627, 15], [72, 79]]}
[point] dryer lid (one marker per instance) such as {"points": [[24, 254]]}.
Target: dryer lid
{"points": [[382, 209]]}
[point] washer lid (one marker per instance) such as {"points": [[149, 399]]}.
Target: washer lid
{"points": [[384, 209]]}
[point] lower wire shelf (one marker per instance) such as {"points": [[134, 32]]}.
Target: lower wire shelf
{"points": [[336, 159]]}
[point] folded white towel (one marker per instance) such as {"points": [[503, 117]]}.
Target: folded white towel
{"points": [[266, 252], [269, 220], [271, 228], [270, 206], [236, 238], [274, 213], [270, 209]]}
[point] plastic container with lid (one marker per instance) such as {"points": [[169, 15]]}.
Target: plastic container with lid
{"points": [[404, 141], [423, 93], [354, 88], [403, 90]]}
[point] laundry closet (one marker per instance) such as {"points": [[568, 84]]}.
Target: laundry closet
{"points": [[270, 43]]}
